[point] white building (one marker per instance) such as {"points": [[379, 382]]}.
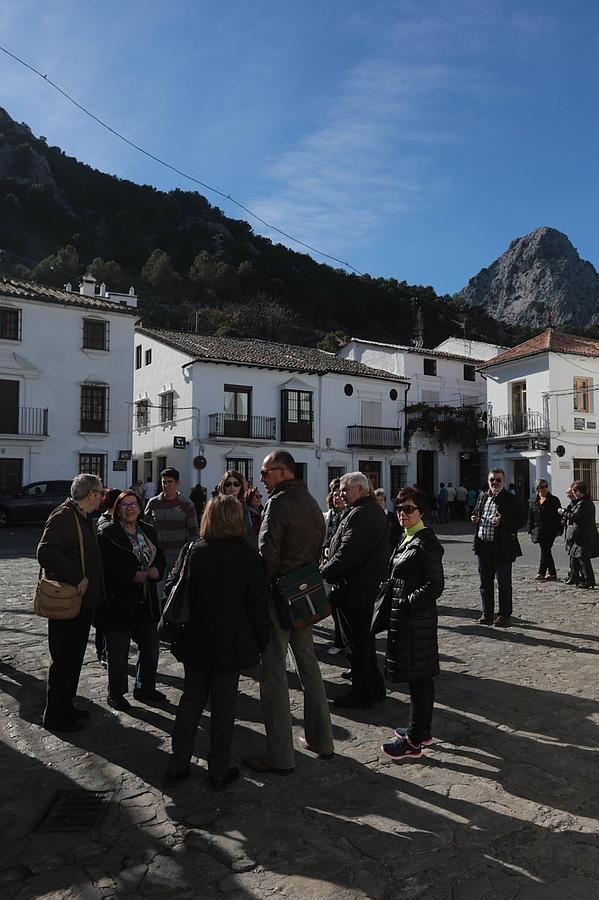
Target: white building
{"points": [[543, 412], [445, 377], [205, 404], [66, 382]]}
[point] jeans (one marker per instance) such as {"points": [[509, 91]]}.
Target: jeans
{"points": [[422, 698], [117, 648], [221, 688], [274, 693], [488, 570]]}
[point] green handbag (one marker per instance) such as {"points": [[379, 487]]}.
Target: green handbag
{"points": [[300, 598]]}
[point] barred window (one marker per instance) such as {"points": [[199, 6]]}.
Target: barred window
{"points": [[244, 466], [95, 334], [336, 473], [10, 324], [94, 408], [167, 407], [93, 464], [142, 413]]}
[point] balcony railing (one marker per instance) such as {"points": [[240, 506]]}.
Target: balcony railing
{"points": [[517, 423], [230, 425], [369, 437], [26, 420]]}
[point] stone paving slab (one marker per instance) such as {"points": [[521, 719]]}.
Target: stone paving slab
{"points": [[504, 805]]}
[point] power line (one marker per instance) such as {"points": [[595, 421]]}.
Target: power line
{"points": [[168, 165]]}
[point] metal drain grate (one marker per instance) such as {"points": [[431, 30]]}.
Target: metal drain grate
{"points": [[74, 809]]}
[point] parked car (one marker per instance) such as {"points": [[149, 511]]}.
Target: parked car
{"points": [[33, 502]]}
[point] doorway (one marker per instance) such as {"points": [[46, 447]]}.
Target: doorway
{"points": [[425, 471], [372, 470], [522, 479]]}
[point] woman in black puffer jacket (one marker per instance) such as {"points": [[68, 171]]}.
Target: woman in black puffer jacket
{"points": [[416, 582], [228, 630]]}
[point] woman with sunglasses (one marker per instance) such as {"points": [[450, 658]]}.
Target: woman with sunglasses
{"points": [[544, 525], [133, 564], [416, 581], [232, 484]]}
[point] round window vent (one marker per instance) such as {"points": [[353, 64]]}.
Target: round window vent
{"points": [[348, 390]]}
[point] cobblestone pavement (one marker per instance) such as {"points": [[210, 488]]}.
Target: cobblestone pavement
{"points": [[503, 805]]}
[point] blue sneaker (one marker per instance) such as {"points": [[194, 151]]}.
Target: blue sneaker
{"points": [[427, 740], [401, 749]]}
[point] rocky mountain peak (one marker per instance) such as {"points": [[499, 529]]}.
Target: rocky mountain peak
{"points": [[539, 274]]}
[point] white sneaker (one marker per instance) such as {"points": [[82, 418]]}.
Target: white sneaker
{"points": [[333, 651]]}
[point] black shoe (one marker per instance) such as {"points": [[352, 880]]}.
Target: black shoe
{"points": [[79, 713], [219, 784], [570, 580], [256, 764], [149, 697], [585, 587], [120, 703], [61, 725], [352, 701]]}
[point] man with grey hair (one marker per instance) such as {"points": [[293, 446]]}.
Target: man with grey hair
{"points": [[358, 561], [59, 553], [395, 529]]}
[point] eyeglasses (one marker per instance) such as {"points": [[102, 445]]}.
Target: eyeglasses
{"points": [[495, 480], [408, 510], [94, 491], [128, 506], [232, 484], [264, 472]]}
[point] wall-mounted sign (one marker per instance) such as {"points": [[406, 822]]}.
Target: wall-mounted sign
{"points": [[119, 465], [591, 424], [124, 454], [147, 454], [179, 443], [578, 424], [200, 462], [564, 465]]}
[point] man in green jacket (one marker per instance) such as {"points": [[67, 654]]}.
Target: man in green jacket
{"points": [[59, 553]]}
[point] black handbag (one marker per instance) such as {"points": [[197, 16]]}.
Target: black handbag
{"points": [[381, 614], [177, 611]]}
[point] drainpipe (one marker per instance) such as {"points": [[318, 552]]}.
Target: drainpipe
{"points": [[405, 416]]}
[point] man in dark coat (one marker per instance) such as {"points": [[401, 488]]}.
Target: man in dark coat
{"points": [[497, 516], [59, 554], [357, 563], [291, 536]]}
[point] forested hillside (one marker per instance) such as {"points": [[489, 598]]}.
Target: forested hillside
{"points": [[192, 266]]}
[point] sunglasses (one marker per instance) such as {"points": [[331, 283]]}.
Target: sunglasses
{"points": [[495, 480], [541, 486], [408, 510], [232, 484], [264, 472]]}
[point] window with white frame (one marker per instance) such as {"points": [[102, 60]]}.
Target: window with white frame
{"points": [[93, 464], [429, 366], [142, 413]]}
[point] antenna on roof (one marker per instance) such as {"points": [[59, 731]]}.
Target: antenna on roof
{"points": [[418, 339]]}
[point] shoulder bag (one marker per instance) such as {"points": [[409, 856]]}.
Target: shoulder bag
{"points": [[177, 611], [300, 598], [57, 599]]}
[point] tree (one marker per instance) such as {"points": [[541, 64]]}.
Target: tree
{"points": [[333, 341], [109, 273], [59, 268], [161, 275]]}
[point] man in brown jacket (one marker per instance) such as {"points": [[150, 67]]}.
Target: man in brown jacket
{"points": [[59, 554]]}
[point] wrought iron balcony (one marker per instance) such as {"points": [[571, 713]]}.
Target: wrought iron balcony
{"points": [[229, 425], [370, 437], [518, 423], [26, 421]]}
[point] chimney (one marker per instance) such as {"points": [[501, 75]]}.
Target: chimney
{"points": [[87, 288]]}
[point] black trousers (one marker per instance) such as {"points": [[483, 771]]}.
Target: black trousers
{"points": [[67, 640], [367, 682], [546, 565], [422, 699], [582, 570], [221, 688]]}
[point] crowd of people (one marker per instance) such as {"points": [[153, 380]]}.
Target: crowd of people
{"points": [[383, 571]]}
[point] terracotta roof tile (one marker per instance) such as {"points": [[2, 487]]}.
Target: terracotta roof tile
{"points": [[550, 340], [265, 354], [15, 289]]}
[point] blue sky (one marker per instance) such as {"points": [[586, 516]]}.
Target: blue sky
{"points": [[413, 139]]}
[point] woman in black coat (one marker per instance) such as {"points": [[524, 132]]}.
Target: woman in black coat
{"points": [[544, 525], [416, 581], [133, 564], [582, 537], [228, 630]]}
